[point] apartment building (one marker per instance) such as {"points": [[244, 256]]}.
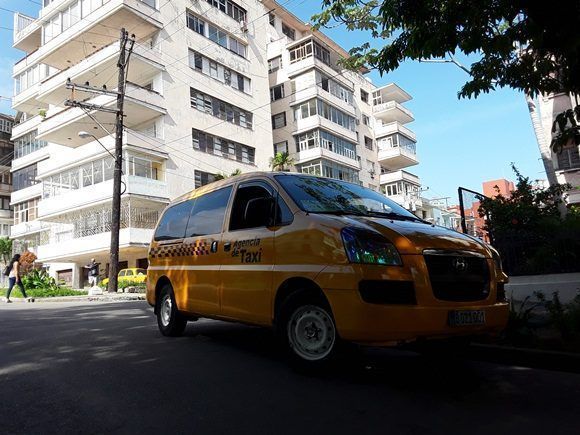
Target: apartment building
{"points": [[563, 167], [6, 155], [333, 122], [197, 104], [213, 86]]}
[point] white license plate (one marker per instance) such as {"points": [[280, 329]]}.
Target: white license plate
{"points": [[466, 318]]}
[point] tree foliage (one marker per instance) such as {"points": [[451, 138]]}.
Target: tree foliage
{"points": [[281, 161], [528, 209], [527, 45], [5, 249], [222, 176], [27, 260]]}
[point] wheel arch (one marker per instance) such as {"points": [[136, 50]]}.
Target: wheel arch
{"points": [[161, 282], [297, 285]]}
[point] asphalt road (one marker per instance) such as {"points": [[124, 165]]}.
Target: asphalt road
{"points": [[104, 368]]}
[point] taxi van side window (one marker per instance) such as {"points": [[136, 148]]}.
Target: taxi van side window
{"points": [[174, 222], [207, 215], [251, 208]]}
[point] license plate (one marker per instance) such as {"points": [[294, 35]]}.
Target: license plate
{"points": [[466, 318]]}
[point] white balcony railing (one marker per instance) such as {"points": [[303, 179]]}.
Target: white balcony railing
{"points": [[382, 130]]}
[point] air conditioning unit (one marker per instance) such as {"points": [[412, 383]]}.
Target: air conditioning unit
{"points": [[357, 121], [243, 26]]}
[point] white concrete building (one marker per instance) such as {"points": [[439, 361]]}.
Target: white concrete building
{"points": [[197, 104], [6, 156], [207, 82], [561, 167], [335, 122]]}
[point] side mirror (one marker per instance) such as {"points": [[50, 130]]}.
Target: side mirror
{"points": [[259, 212]]}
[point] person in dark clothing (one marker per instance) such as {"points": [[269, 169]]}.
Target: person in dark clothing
{"points": [[93, 272], [14, 278]]}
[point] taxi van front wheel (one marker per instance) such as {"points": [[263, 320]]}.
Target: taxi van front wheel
{"points": [[171, 323], [308, 331]]}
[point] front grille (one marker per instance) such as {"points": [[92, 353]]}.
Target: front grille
{"points": [[388, 292], [458, 277]]}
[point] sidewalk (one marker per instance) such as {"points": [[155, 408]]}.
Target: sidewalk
{"points": [[105, 297]]}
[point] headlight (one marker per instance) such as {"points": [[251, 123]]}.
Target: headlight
{"points": [[368, 247]]}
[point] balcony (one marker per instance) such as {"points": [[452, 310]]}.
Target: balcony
{"points": [[25, 127], [317, 92], [391, 92], [409, 201], [5, 189], [399, 157], [99, 29], [393, 177], [392, 111], [303, 65], [26, 101], [141, 106], [100, 68], [25, 228], [323, 153], [6, 214], [89, 231], [392, 128], [27, 33], [30, 192], [312, 122], [58, 207]]}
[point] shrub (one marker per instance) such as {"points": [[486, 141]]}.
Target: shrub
{"points": [[123, 284], [26, 262], [39, 279]]}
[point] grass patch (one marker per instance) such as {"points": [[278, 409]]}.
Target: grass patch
{"points": [[44, 293]]}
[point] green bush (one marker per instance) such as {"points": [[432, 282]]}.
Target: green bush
{"points": [[39, 279], [44, 293]]}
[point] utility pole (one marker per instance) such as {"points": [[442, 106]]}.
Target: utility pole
{"points": [[126, 48]]}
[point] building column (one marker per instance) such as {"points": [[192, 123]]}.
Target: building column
{"points": [[76, 276]]}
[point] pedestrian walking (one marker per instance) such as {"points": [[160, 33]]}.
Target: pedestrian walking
{"points": [[13, 270], [93, 267]]}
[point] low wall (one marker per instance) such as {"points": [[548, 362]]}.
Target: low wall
{"points": [[566, 284]]}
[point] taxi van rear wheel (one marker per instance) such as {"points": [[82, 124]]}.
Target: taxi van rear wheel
{"points": [[171, 323], [308, 332]]}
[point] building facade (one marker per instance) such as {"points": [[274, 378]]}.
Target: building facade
{"points": [[213, 86], [562, 167], [6, 156]]}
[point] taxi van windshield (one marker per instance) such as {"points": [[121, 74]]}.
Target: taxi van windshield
{"points": [[327, 196]]}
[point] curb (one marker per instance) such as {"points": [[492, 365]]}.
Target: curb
{"points": [[533, 358], [122, 297]]}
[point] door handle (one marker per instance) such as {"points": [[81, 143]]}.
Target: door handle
{"points": [[214, 247], [227, 246]]}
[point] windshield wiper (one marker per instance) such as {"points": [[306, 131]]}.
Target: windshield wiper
{"points": [[344, 212], [394, 216]]}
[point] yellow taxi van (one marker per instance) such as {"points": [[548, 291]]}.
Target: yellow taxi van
{"points": [[323, 262]]}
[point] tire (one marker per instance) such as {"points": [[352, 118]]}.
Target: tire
{"points": [[308, 331], [169, 320]]}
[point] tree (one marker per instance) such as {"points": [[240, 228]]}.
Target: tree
{"points": [[222, 176], [27, 260], [281, 161], [528, 45], [5, 249]]}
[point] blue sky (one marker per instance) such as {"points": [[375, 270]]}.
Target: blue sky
{"points": [[460, 142]]}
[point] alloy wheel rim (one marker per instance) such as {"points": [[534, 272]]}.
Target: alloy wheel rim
{"points": [[311, 333]]}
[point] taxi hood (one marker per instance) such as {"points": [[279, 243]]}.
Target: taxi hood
{"points": [[411, 237]]}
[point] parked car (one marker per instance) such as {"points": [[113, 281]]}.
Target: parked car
{"points": [[319, 260], [133, 274]]}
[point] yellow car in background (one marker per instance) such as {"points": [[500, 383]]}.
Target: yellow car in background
{"points": [[133, 274]]}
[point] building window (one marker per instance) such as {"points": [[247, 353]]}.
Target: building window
{"points": [[569, 158], [5, 203], [272, 19], [319, 107], [220, 109], [334, 88], [6, 125], [279, 120], [215, 34], [275, 64], [203, 178], [326, 140], [235, 11], [395, 141], [281, 147], [308, 49], [364, 96], [24, 178], [277, 93], [366, 120], [325, 168], [26, 211], [219, 72], [368, 143], [288, 31], [27, 144], [221, 147]]}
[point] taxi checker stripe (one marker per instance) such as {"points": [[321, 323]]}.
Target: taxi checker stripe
{"points": [[199, 248]]}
